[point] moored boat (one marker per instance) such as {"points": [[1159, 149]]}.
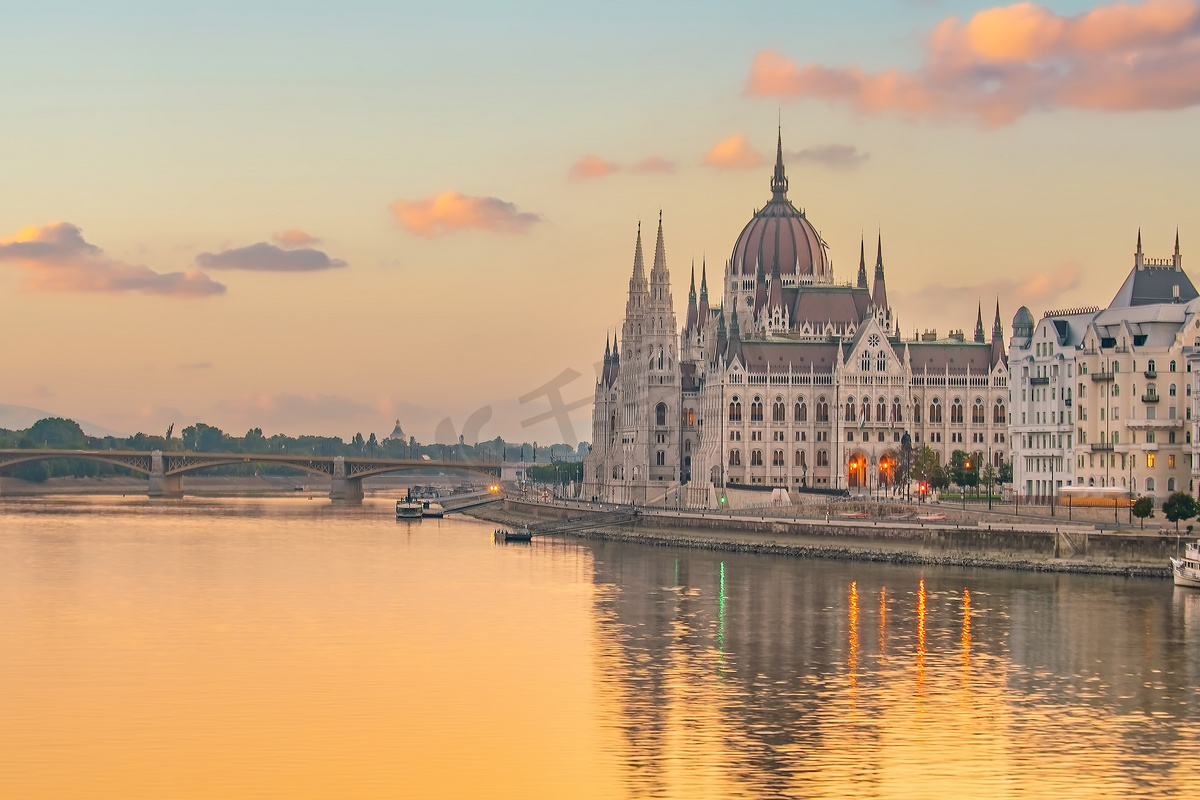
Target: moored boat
{"points": [[432, 508], [522, 534], [1186, 570], [408, 508]]}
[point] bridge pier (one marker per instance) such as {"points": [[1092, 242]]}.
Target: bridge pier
{"points": [[341, 488], [162, 484]]}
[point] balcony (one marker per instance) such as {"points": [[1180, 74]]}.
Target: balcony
{"points": [[1102, 447], [1150, 398], [1039, 381], [1151, 374], [1101, 376]]}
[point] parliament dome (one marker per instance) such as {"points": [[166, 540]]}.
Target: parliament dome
{"points": [[780, 231]]}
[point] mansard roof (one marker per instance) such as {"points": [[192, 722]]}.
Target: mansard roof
{"points": [[841, 305], [950, 355], [1151, 284]]}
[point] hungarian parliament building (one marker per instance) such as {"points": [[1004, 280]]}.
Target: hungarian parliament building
{"points": [[791, 382]]}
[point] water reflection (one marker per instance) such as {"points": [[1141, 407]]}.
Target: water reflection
{"points": [[1043, 685]]}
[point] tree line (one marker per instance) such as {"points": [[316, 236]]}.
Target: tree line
{"points": [[64, 434]]}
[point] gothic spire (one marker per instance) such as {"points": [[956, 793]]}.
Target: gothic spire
{"points": [[997, 326], [734, 348], [691, 308], [702, 313], [659, 270], [862, 263], [979, 337], [779, 181], [1137, 257], [879, 290], [639, 264], [607, 351]]}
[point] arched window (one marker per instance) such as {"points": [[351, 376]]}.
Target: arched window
{"points": [[850, 412], [1171, 391], [935, 412], [1172, 366], [866, 409], [897, 410], [977, 413], [756, 458], [1116, 392], [756, 410], [916, 412], [660, 458], [1149, 484], [1170, 484], [956, 411], [1150, 366], [801, 411], [735, 410], [822, 410], [822, 458], [735, 458], [777, 458], [778, 411], [866, 361], [660, 414], [881, 410], [800, 459], [881, 361], [998, 412]]}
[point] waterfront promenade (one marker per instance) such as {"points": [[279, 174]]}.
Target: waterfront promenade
{"points": [[866, 531]]}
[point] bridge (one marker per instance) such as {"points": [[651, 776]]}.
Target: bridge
{"points": [[166, 469]]}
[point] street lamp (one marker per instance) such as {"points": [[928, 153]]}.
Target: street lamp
{"points": [[962, 487]]}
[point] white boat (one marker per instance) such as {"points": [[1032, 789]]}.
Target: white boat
{"points": [[1187, 569], [408, 508], [432, 508]]}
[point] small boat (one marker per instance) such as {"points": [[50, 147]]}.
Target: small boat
{"points": [[408, 508], [522, 534], [432, 508], [1186, 570]]}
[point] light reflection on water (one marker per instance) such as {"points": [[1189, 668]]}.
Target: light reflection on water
{"points": [[284, 648]]}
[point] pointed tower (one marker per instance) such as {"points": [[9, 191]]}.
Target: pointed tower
{"points": [[722, 335], [734, 348], [1137, 256], [999, 353], [1178, 256], [997, 326], [703, 310], [862, 263], [760, 292], [879, 290], [979, 337], [779, 181], [639, 297], [692, 312]]}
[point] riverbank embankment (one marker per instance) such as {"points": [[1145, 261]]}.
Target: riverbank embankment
{"points": [[1046, 548]]}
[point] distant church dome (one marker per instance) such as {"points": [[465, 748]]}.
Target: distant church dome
{"points": [[780, 228]]}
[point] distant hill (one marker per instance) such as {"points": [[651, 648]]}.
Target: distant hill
{"points": [[18, 418]]}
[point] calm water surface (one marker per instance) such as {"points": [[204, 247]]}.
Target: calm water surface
{"points": [[286, 648]]}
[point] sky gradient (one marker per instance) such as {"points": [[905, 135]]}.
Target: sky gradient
{"points": [[315, 219]]}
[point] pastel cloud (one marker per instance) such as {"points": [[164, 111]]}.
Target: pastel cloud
{"points": [[1007, 61], [294, 238], [841, 156], [451, 212], [264, 257], [653, 165], [591, 166], [56, 258], [1038, 290], [733, 153]]}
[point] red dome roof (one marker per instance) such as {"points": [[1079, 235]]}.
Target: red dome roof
{"points": [[780, 230]]}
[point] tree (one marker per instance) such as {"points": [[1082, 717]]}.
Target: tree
{"points": [[1142, 508], [57, 433], [1179, 506], [1006, 472], [926, 469], [963, 469]]}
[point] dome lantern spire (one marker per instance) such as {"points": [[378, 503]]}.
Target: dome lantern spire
{"points": [[779, 181]]}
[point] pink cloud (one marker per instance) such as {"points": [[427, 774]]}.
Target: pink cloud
{"points": [[653, 165], [57, 259], [591, 166], [451, 212], [1038, 290], [733, 153], [294, 238], [1007, 61]]}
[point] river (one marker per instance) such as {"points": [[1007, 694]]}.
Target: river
{"points": [[288, 648]]}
